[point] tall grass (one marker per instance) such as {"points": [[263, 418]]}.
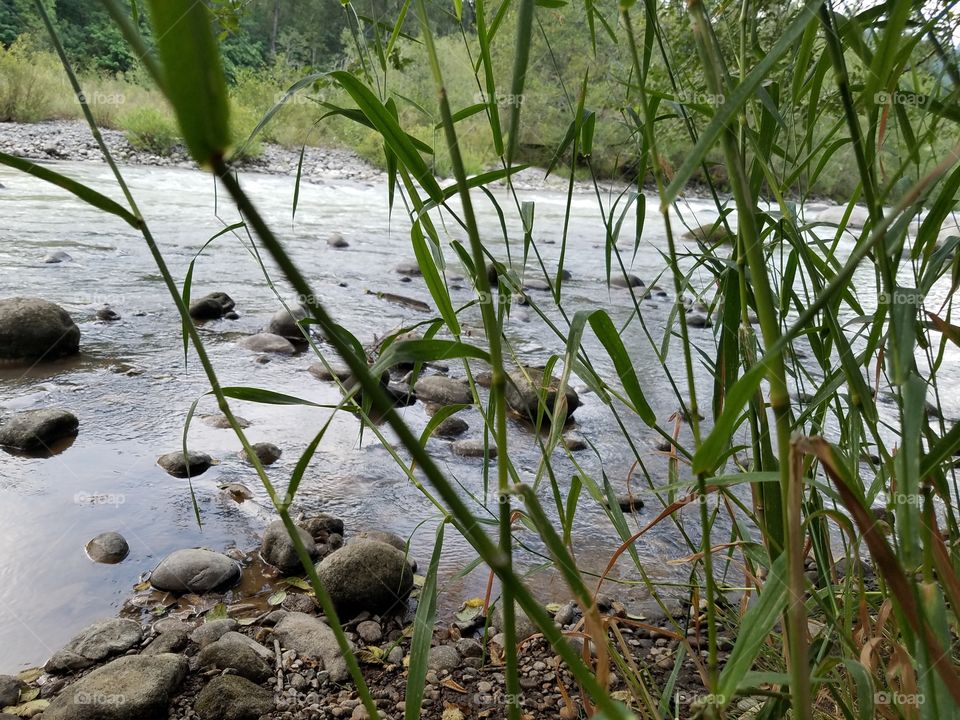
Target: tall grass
{"points": [[805, 647]]}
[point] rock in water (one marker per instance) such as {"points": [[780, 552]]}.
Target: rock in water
{"points": [[57, 257], [212, 307], [137, 687], [33, 329], [180, 466], [108, 314], [37, 430], [230, 697], [310, 637], [277, 547], [523, 394], [366, 575], [452, 427], [195, 571], [440, 390], [267, 343], [267, 453], [336, 240], [286, 323], [96, 643], [630, 281], [474, 448], [108, 548]]}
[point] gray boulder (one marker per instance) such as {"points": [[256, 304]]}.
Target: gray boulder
{"points": [[34, 329], [452, 427], [380, 536], [267, 453], [212, 631], [10, 688], [236, 651], [267, 343], [286, 323], [523, 388], [182, 466], [230, 697], [278, 550], [96, 643], [321, 526], [441, 390], [195, 571], [108, 548], [37, 430], [211, 307], [130, 688], [366, 575], [310, 637]]}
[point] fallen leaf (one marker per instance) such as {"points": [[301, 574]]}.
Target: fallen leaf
{"points": [[452, 684], [217, 612], [277, 598]]}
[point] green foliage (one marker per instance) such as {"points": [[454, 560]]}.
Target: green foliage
{"points": [[30, 83], [150, 130]]}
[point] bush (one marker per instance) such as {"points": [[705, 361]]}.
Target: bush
{"points": [[150, 130], [30, 83]]}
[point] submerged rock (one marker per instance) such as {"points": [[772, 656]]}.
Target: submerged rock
{"points": [[366, 575], [336, 240], [286, 323], [195, 571], [410, 269], [310, 637], [137, 687], [267, 343], [96, 643], [37, 430], [441, 390], [709, 234], [452, 427], [278, 550], [630, 281], [181, 466], [523, 388], [231, 697], [107, 314], [34, 329], [55, 258], [108, 548], [267, 453], [212, 307]]}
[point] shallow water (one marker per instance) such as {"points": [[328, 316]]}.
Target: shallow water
{"points": [[132, 390]]}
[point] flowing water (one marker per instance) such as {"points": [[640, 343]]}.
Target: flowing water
{"points": [[132, 390]]}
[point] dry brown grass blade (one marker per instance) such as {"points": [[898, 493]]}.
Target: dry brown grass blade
{"points": [[886, 562], [945, 572]]}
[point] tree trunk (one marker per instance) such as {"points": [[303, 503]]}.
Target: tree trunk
{"points": [[276, 25]]}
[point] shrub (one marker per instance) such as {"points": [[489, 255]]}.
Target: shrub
{"points": [[150, 130], [30, 82]]}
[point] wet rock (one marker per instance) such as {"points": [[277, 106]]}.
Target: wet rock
{"points": [[195, 571], [182, 466], [10, 688], [55, 258], [537, 284], [278, 550], [286, 323], [37, 430], [310, 637], [267, 453], [329, 374], [107, 314], [710, 234], [698, 320], [380, 536], [230, 697], [211, 307], [35, 330], [212, 631], [336, 240], [629, 502], [630, 281], [452, 427], [129, 688], [834, 215], [235, 651], [574, 442], [443, 657], [96, 643], [441, 390], [366, 575], [108, 548], [566, 614], [237, 492], [220, 422], [474, 448], [400, 395], [267, 343], [322, 526], [410, 269], [370, 632], [522, 390]]}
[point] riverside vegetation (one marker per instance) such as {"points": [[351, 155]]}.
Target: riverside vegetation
{"points": [[829, 451]]}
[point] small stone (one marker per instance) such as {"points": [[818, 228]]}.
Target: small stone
{"points": [[267, 343], [566, 614], [628, 281], [370, 632], [108, 548], [469, 648], [267, 453], [211, 307], [574, 442], [212, 631], [180, 466], [474, 448], [453, 426], [395, 656]]}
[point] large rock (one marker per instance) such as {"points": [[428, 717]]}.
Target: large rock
{"points": [[195, 571], [230, 697], [37, 430], [34, 329], [440, 390], [237, 652], [108, 548], [366, 575], [189, 465], [10, 688], [267, 453], [96, 643], [211, 307], [285, 323], [522, 393], [278, 550], [267, 343], [129, 688], [310, 637]]}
